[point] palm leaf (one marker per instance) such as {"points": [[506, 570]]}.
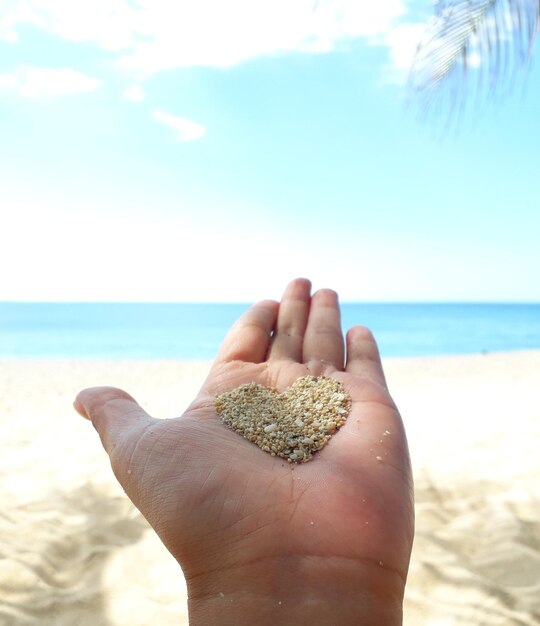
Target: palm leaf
{"points": [[497, 35]]}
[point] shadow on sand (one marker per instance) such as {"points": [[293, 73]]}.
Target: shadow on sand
{"points": [[53, 554], [476, 558]]}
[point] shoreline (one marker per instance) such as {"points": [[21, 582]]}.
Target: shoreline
{"points": [[473, 426], [115, 359]]}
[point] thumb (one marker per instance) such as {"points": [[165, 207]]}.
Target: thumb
{"points": [[117, 417]]}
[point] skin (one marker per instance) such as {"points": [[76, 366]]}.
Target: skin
{"points": [[262, 541]]}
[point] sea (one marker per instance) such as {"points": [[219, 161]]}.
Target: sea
{"points": [[195, 331]]}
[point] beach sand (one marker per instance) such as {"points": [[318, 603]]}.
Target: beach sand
{"points": [[75, 552]]}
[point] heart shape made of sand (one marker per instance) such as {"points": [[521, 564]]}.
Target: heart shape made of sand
{"points": [[293, 424]]}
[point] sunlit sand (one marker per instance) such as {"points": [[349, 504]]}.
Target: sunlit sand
{"points": [[75, 551]]}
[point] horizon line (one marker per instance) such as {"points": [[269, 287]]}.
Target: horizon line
{"points": [[249, 303]]}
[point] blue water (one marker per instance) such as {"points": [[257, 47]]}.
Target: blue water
{"points": [[195, 331]]}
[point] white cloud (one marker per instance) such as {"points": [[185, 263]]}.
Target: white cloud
{"points": [[226, 33], [10, 36], [187, 130], [134, 93], [105, 22], [12, 12], [402, 42], [149, 36], [43, 82], [154, 35]]}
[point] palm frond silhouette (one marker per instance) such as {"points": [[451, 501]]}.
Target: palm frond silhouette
{"points": [[497, 36]]}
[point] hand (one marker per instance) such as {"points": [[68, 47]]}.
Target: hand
{"points": [[261, 541]]}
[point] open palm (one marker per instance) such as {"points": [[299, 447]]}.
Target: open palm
{"points": [[221, 505]]}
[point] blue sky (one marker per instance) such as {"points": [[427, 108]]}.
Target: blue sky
{"points": [[177, 151]]}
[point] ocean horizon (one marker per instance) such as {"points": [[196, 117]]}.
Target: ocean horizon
{"points": [[194, 331]]}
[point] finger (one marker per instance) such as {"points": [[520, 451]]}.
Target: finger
{"points": [[288, 339], [249, 338], [323, 340], [363, 357], [114, 414]]}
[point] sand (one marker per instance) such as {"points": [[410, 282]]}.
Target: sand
{"points": [[74, 551], [293, 424]]}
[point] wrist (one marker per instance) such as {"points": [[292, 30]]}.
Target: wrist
{"points": [[298, 590]]}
